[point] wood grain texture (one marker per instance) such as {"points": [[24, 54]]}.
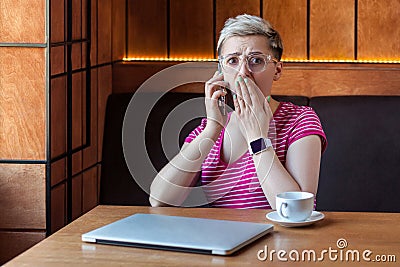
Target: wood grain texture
{"points": [[22, 21], [57, 54], [58, 207], [289, 18], [22, 198], [14, 243], [58, 171], [147, 28], [66, 247], [378, 29], [76, 56], [191, 29], [76, 196], [332, 29], [76, 19], [104, 31], [22, 103], [89, 156], [231, 8], [57, 9], [93, 34], [104, 85], [118, 29], [89, 189], [58, 117]]}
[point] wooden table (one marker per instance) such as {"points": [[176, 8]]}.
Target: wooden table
{"points": [[376, 232]]}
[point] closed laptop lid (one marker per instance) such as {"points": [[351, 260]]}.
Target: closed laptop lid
{"points": [[177, 233]]}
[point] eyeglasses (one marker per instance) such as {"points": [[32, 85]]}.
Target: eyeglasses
{"points": [[254, 63]]}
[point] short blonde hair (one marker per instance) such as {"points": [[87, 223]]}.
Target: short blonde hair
{"points": [[244, 25]]}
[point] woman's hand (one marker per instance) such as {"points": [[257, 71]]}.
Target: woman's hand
{"points": [[215, 120], [252, 109]]}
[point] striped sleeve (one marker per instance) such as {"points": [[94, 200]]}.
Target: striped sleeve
{"points": [[308, 123], [196, 131]]}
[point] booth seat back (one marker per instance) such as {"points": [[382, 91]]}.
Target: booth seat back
{"points": [[360, 170], [117, 186]]}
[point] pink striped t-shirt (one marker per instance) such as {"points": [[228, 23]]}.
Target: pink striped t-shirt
{"points": [[235, 185]]}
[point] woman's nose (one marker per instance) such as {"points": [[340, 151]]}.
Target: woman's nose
{"points": [[243, 69]]}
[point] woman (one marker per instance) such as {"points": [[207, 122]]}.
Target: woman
{"points": [[260, 149]]}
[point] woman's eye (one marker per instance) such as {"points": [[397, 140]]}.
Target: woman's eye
{"points": [[256, 60], [232, 61]]}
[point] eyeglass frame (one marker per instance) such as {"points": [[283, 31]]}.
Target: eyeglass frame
{"points": [[241, 57]]}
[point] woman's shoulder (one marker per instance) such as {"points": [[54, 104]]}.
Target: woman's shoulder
{"points": [[288, 109]]}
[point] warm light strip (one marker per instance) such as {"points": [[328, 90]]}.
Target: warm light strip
{"points": [[182, 59]]}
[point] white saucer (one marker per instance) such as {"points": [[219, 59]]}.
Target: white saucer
{"points": [[315, 217]]}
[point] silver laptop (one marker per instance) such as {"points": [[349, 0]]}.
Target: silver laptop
{"points": [[207, 236]]}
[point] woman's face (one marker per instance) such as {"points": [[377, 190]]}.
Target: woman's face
{"points": [[249, 45]]}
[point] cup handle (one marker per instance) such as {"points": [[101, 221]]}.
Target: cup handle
{"points": [[280, 210]]}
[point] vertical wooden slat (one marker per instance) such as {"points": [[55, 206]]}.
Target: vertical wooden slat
{"points": [[77, 121], [289, 18], [76, 19], [231, 8], [104, 31], [57, 20], [118, 29], [147, 28], [58, 123], [332, 29], [58, 211], [90, 153], [57, 60], [58, 171], [191, 29], [89, 192], [76, 196], [378, 29], [104, 90], [93, 35]]}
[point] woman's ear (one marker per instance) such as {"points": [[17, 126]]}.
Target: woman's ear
{"points": [[278, 70]]}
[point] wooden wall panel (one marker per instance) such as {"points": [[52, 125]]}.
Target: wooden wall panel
{"points": [[147, 28], [22, 198], [104, 85], [231, 8], [93, 33], [57, 10], [58, 207], [104, 31], [89, 189], [90, 153], [332, 29], [58, 171], [22, 103], [22, 21], [76, 196], [57, 55], [58, 117], [378, 29], [289, 18], [118, 29], [77, 19], [14, 243], [191, 29]]}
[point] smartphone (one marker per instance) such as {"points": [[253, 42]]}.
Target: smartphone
{"points": [[222, 99]]}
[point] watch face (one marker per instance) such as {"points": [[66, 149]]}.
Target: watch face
{"points": [[257, 145]]}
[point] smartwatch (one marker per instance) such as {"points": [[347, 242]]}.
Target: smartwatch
{"points": [[259, 145]]}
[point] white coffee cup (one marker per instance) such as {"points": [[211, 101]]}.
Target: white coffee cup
{"points": [[295, 206]]}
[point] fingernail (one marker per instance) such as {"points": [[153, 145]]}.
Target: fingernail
{"points": [[234, 96], [240, 78], [237, 83], [245, 80]]}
